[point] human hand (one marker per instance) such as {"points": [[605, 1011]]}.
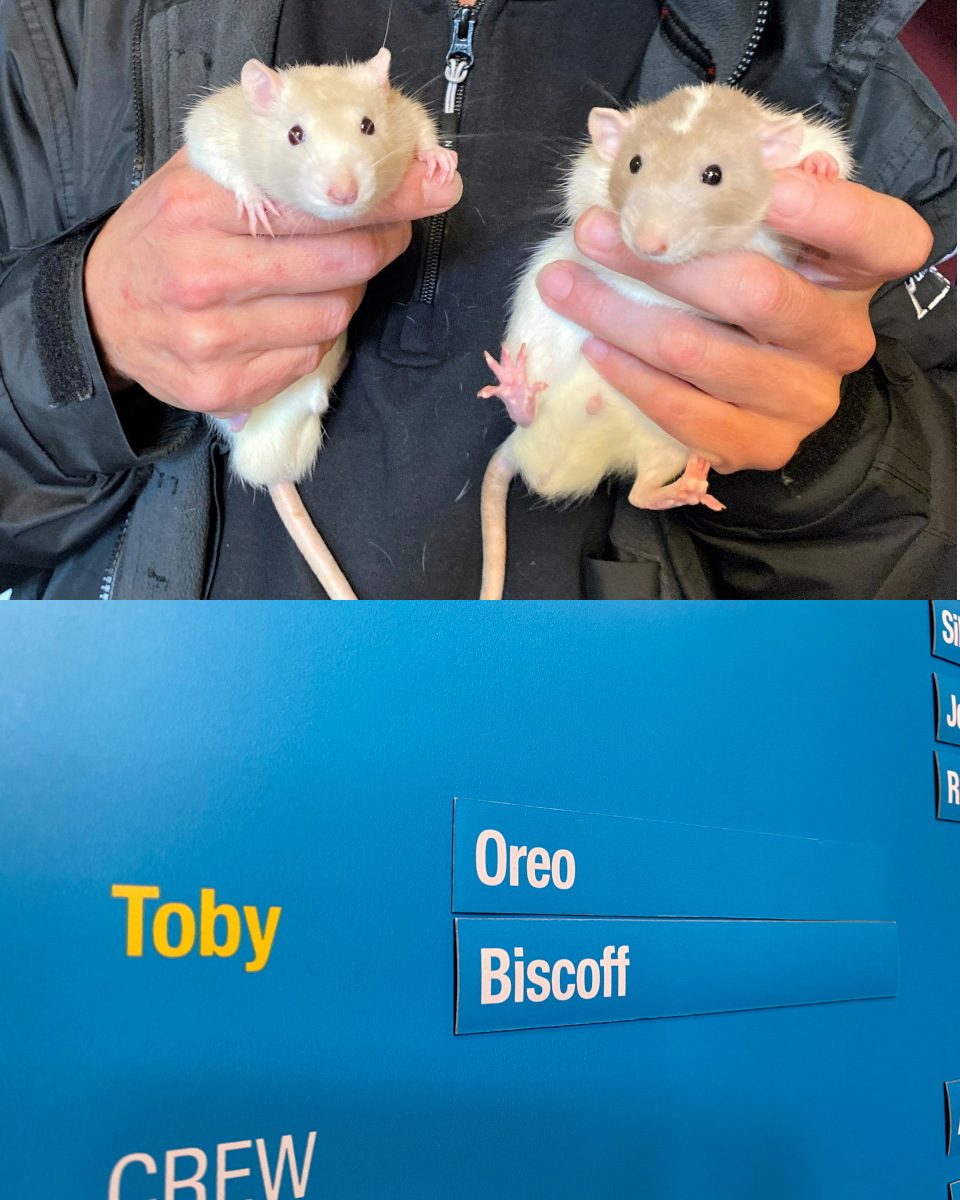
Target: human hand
{"points": [[184, 302], [746, 393]]}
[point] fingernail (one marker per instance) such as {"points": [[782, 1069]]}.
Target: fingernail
{"points": [[555, 282], [600, 231], [794, 196], [595, 349]]}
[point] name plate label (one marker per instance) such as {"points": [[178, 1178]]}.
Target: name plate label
{"points": [[953, 1116], [514, 973], [946, 630], [946, 690], [518, 859], [947, 763]]}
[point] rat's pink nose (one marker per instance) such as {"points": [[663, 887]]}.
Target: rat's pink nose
{"points": [[650, 241], [343, 189]]}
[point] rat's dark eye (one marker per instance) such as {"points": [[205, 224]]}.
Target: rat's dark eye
{"points": [[296, 135], [635, 164], [366, 125], [712, 175]]}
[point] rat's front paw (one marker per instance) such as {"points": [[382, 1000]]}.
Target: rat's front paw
{"points": [[821, 164], [255, 205], [441, 164]]}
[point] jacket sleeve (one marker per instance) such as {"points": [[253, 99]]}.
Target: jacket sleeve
{"points": [[71, 456], [867, 507]]}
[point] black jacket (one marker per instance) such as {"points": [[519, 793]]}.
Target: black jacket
{"points": [[96, 503]]}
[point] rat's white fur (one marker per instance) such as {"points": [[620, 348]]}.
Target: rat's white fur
{"points": [[569, 447], [243, 145]]}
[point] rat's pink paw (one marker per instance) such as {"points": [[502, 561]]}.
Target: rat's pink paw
{"points": [[821, 164], [690, 488], [518, 396], [441, 163], [236, 422], [255, 206]]}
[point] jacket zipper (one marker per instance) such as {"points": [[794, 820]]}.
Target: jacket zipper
{"points": [[139, 158], [753, 42], [458, 63], [106, 584]]}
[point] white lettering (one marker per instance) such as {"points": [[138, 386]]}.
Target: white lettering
{"points": [[115, 1175], [223, 1149], [495, 836], [953, 787], [566, 966], [584, 990], [952, 719], [565, 857], [538, 867], [516, 853], [286, 1156], [490, 974], [950, 634], [538, 980], [195, 1185], [542, 868], [538, 976], [172, 1184]]}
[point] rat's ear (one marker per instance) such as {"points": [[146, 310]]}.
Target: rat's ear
{"points": [[379, 68], [781, 141], [607, 127], [261, 86]]}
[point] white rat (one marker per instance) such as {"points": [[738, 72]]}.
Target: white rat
{"points": [[690, 174], [331, 141]]}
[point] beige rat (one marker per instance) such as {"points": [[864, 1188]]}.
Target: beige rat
{"points": [[331, 141], [690, 174]]}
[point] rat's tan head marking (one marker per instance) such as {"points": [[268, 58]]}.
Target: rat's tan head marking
{"points": [[691, 173]]}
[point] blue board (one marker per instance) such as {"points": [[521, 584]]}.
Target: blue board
{"points": [[267, 1003]]}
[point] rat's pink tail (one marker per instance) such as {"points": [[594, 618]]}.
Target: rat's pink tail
{"points": [[493, 520], [311, 545]]}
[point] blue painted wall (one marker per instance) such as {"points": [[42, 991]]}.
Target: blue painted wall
{"points": [[307, 755]]}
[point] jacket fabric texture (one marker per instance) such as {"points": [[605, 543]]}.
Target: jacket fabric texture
{"points": [[122, 499]]}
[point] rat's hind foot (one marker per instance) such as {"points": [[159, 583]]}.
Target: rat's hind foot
{"points": [[690, 488], [441, 163], [519, 397], [821, 164], [255, 206]]}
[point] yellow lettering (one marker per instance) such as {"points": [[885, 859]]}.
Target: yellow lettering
{"points": [[210, 911], [134, 894], [161, 930], [262, 939]]}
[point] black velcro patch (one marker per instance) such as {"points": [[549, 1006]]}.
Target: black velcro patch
{"points": [[53, 307]]}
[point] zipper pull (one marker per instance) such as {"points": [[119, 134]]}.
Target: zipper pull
{"points": [[459, 62], [461, 41]]}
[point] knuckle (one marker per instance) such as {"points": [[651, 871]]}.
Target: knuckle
{"points": [[313, 356], [404, 237], [211, 391], [916, 243], [777, 451], [858, 351], [178, 201], [682, 347], [334, 317], [367, 255], [187, 287], [765, 292], [200, 341]]}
